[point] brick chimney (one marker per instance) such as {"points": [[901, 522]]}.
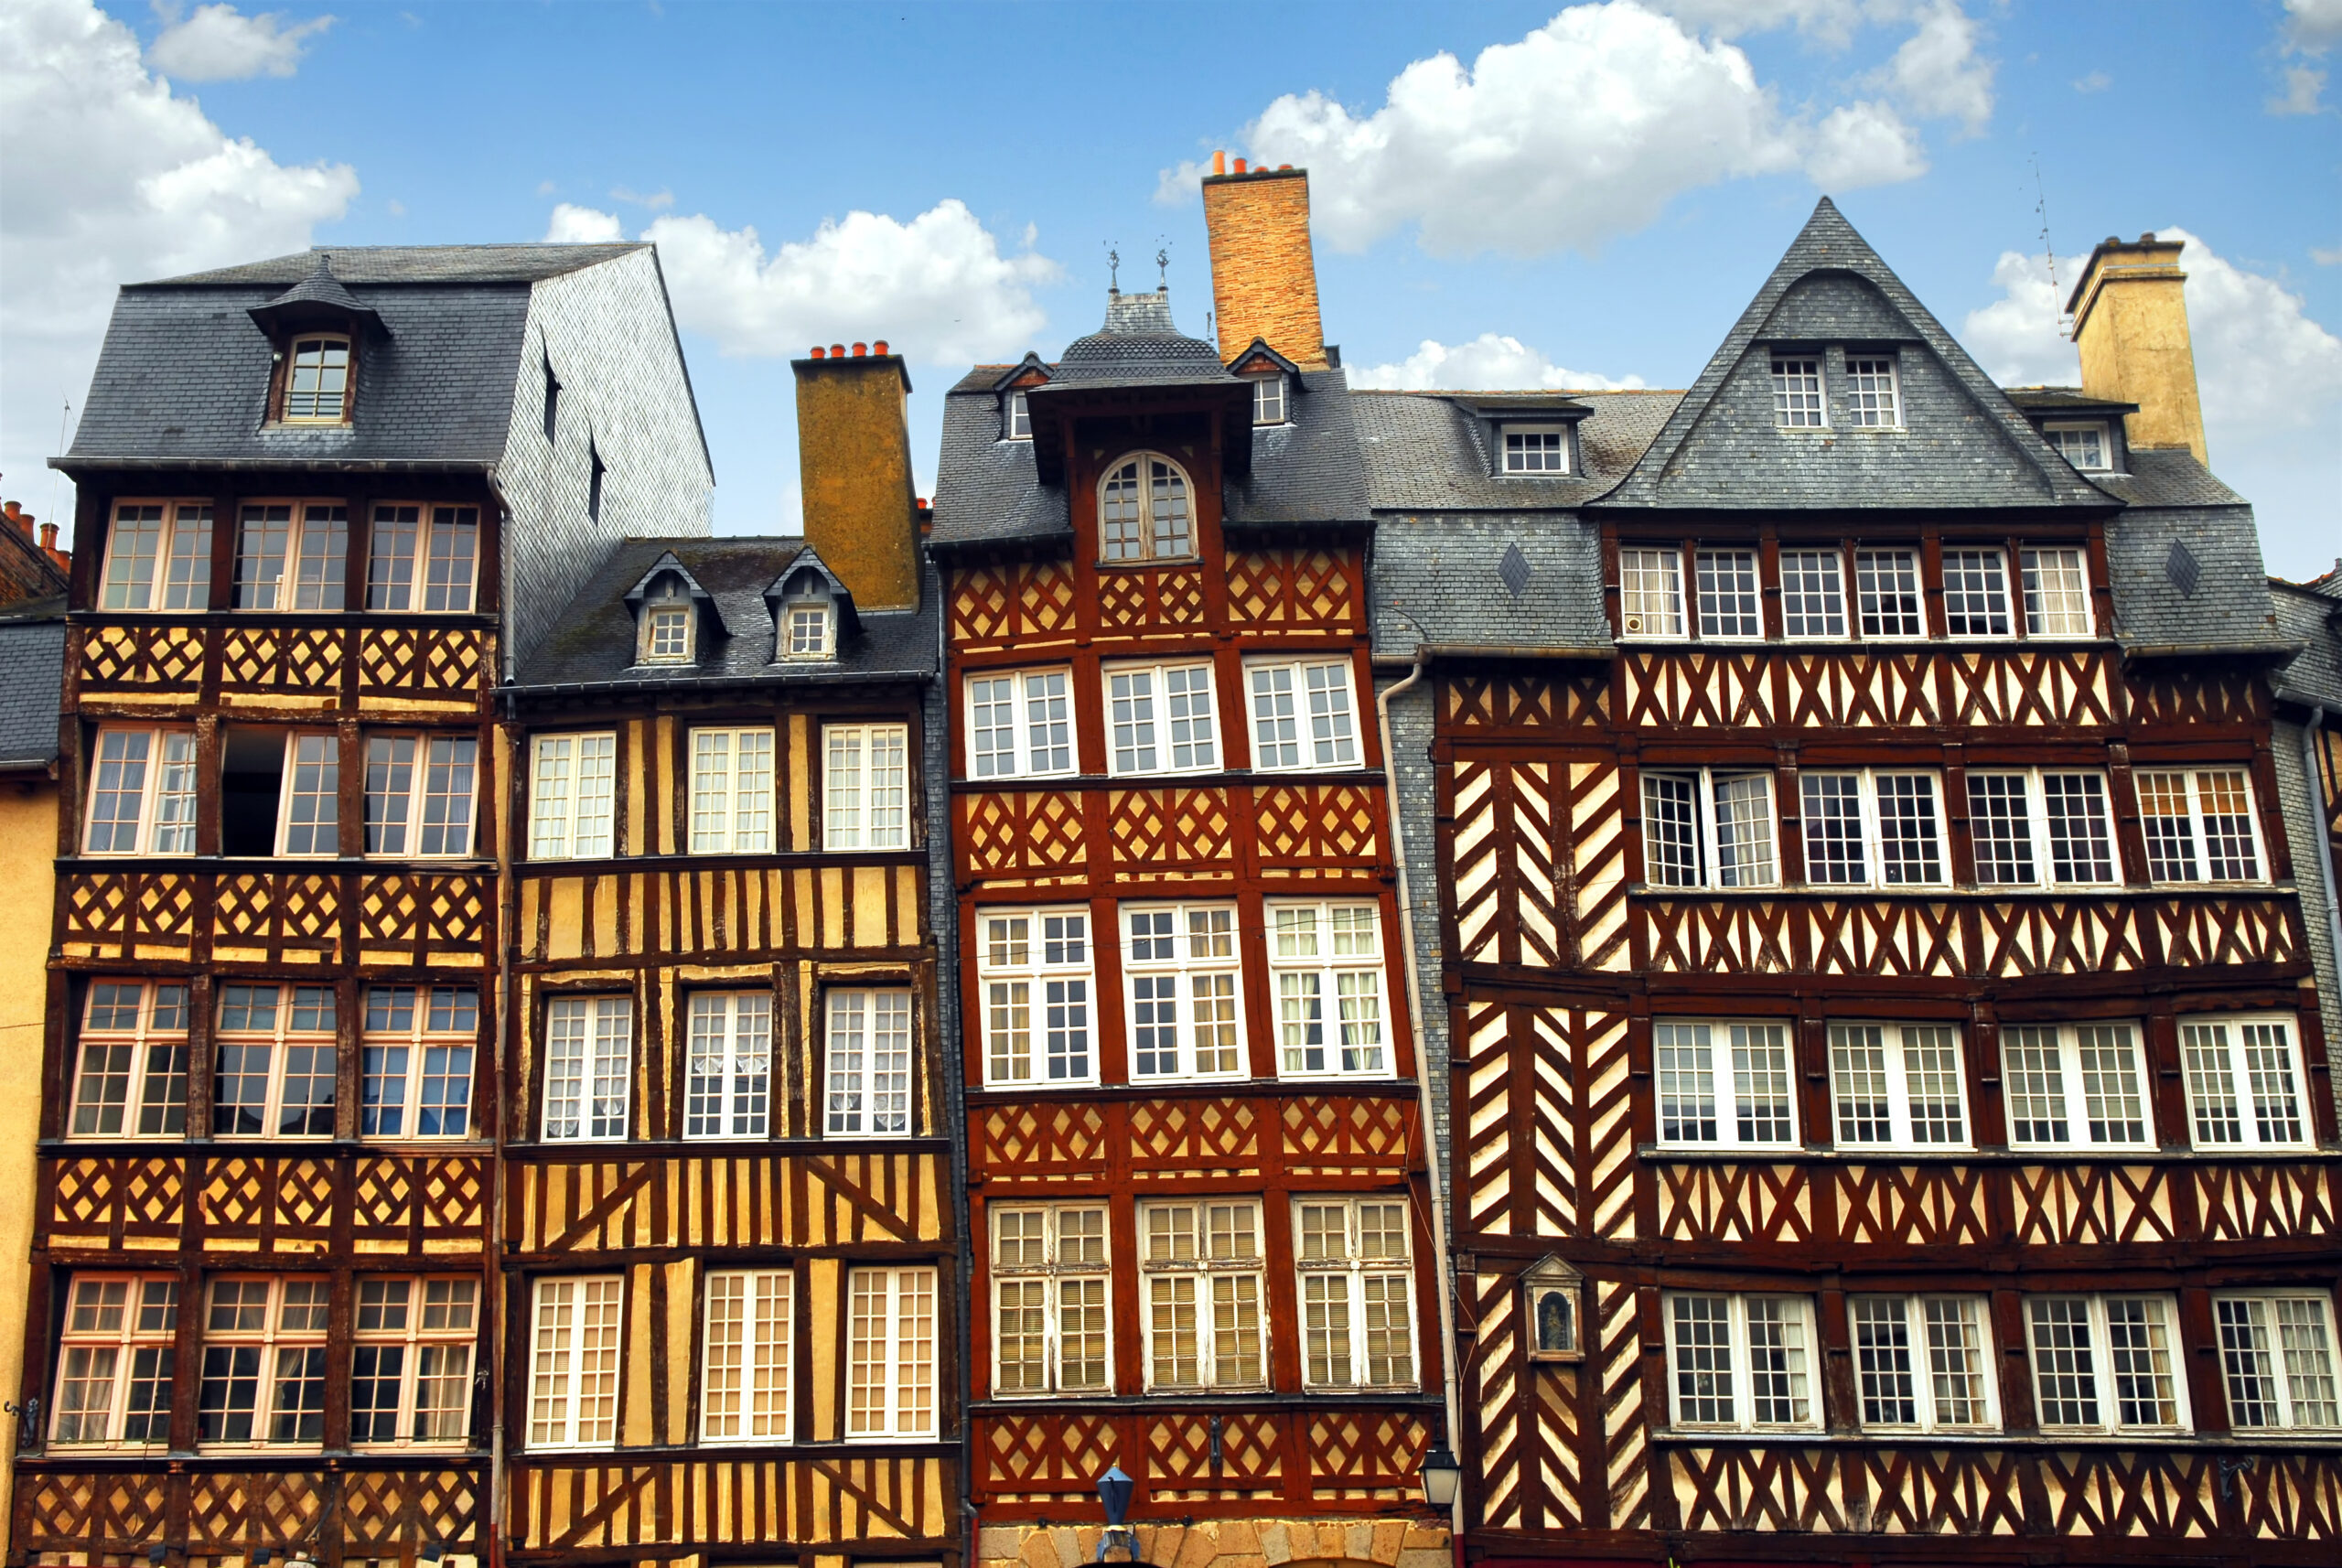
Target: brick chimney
{"points": [[1263, 276], [2131, 325], [853, 462]]}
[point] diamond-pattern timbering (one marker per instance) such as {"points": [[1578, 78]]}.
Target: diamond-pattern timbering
{"points": [[1292, 590], [1011, 602], [1348, 1130], [1171, 827], [94, 1512], [236, 1194], [1169, 1135], [1020, 833], [392, 1513], [277, 657], [1041, 1139], [273, 908], [149, 656], [124, 906], [1365, 1452], [230, 1509], [432, 913], [420, 661], [1160, 599], [1304, 824]]}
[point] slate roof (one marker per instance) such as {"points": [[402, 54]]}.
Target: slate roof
{"points": [[1444, 579], [1423, 451], [32, 683], [363, 264], [2167, 477], [2311, 613]]}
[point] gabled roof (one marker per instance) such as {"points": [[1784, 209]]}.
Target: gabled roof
{"points": [[365, 264], [849, 619], [1258, 350], [691, 590], [1032, 364]]}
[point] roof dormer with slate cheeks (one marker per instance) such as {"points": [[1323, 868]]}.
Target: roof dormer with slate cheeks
{"points": [[813, 612], [676, 622], [317, 333]]}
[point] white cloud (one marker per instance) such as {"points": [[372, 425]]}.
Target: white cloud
{"points": [[2302, 85], [2325, 258], [1176, 187], [658, 200], [1828, 22], [575, 225], [219, 43], [1863, 143], [2016, 337], [2312, 25], [1937, 73], [1492, 361]]}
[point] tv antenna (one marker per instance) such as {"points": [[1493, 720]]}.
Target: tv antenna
{"points": [[2041, 211]]}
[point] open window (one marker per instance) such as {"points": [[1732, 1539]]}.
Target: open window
{"points": [[280, 792], [1552, 1304]]}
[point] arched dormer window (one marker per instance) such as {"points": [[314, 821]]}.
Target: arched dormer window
{"points": [[1144, 510], [806, 628], [317, 380]]}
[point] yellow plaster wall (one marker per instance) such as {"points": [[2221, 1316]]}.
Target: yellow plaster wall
{"points": [[2130, 326], [853, 461], [28, 852]]}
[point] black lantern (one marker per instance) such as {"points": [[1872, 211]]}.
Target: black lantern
{"points": [[1440, 1475], [1114, 1491]]}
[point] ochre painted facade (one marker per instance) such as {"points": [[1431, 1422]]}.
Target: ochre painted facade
{"points": [[28, 862], [2130, 316]]}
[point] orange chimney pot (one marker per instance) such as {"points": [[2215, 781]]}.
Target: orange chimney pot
{"points": [[879, 347], [820, 352], [1219, 161], [1239, 166]]}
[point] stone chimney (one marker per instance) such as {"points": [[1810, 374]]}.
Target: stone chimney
{"points": [[853, 464], [2131, 325], [1263, 276]]}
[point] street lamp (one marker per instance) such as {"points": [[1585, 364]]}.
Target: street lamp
{"points": [[1114, 1490], [1439, 1478]]}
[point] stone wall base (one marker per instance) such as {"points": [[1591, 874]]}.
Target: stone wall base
{"points": [[1227, 1543]]}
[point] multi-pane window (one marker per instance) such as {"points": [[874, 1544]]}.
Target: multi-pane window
{"points": [[1871, 829], [731, 792], [2057, 593], [1886, 594], [1708, 830], [1897, 1086], [317, 381], [411, 1361], [589, 1066], [745, 1349], [1924, 1362], [1179, 963], [1651, 593], [1302, 715], [2277, 1356], [806, 632], [1034, 968], [115, 1363], [1159, 719], [264, 1361], [1200, 1267], [1533, 449], [291, 556], [419, 794], [1326, 964], [574, 1343], [2106, 1362], [890, 1353], [2084, 446], [2199, 826], [1020, 417], [308, 819], [417, 1060], [1975, 593], [1020, 724], [866, 802], [1268, 400], [1723, 1084], [1813, 594], [1726, 580], [274, 1062], [667, 634], [1143, 512], [169, 539], [869, 1061], [1049, 1275], [142, 793], [422, 558], [2033, 828], [2243, 1083], [728, 1093], [1797, 392], [1357, 1291], [2074, 1085], [1741, 1361], [571, 801], [132, 1078], [1873, 400]]}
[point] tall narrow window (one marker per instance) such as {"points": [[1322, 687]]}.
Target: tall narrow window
{"points": [[2198, 826], [1049, 1273], [1873, 398], [1199, 1266], [1651, 593], [1143, 511], [1302, 716], [1032, 966], [142, 793], [422, 558], [1887, 593], [1797, 392], [116, 1364], [2277, 1356], [417, 1058], [574, 1363], [1728, 584], [744, 1356], [731, 792], [2243, 1083], [1180, 965], [1159, 719], [264, 539], [264, 1361], [2106, 1363], [589, 1066], [890, 1353], [419, 794], [1742, 1362], [730, 1087], [1708, 830], [571, 803], [551, 401], [133, 547], [1020, 724], [1325, 961], [1813, 594], [411, 1362], [2076, 1084], [1898, 1086], [1356, 1283], [316, 382], [172, 537], [595, 470], [309, 818], [274, 1063], [1724, 1085], [1923, 1362], [2057, 593], [866, 804], [130, 1080], [1020, 417], [1268, 400], [869, 1064], [1975, 593]]}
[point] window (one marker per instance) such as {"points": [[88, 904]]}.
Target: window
{"points": [[411, 1361], [870, 1062], [2057, 593], [667, 638], [115, 1363], [2105, 1362], [1320, 952], [1797, 393], [417, 1056], [729, 1092], [1724, 1085], [1282, 739], [1159, 719], [731, 792], [869, 790], [806, 631], [174, 536], [1268, 400], [2242, 1083], [132, 1079], [142, 795], [1887, 593], [574, 1363], [1871, 400], [314, 537], [309, 817], [1813, 594], [1049, 1316], [1728, 584], [1184, 986], [1897, 1086], [2084, 446], [1356, 1293], [570, 805], [1536, 450], [1143, 511], [1199, 1266], [1923, 1362], [1871, 829], [1975, 593], [589, 1066], [1741, 1361], [1020, 724], [274, 1058], [2032, 828], [419, 794], [1651, 593], [1034, 966], [440, 542], [1020, 417], [1708, 830], [2074, 1085], [2199, 826], [551, 401], [890, 1353], [264, 1361], [317, 385], [595, 470], [745, 1354], [2277, 1354]]}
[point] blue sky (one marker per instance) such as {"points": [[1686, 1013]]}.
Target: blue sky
{"points": [[1604, 188]]}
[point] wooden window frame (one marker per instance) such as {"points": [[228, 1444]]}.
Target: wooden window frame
{"points": [[2105, 1387], [1052, 1273], [2200, 860], [1872, 826], [1016, 417], [143, 1040], [293, 590], [1835, 555], [425, 766], [2232, 1327], [586, 1124], [738, 789], [182, 538], [2245, 1097], [1635, 604], [148, 1324], [148, 827], [1896, 1043], [2034, 598], [1056, 724], [1788, 408], [2040, 840], [1355, 1268], [1213, 924], [1312, 754], [1271, 398], [764, 1365], [416, 1339], [273, 1338], [1922, 1352], [1857, 614], [1741, 1373], [1159, 722], [1202, 1271], [1330, 968], [1150, 519], [2052, 429], [1874, 363], [1707, 560], [1707, 840], [287, 363], [861, 1082], [562, 808], [557, 1372], [855, 790], [1992, 561], [2071, 1099], [997, 966], [418, 1039], [413, 581], [740, 1103], [1506, 451], [280, 1038], [912, 1347], [329, 792], [1723, 1085]]}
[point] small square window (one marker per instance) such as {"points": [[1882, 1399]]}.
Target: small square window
{"points": [[1536, 450], [668, 639], [2084, 446], [808, 631]]}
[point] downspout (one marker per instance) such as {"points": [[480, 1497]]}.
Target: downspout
{"points": [[2313, 780], [506, 896], [956, 1103]]}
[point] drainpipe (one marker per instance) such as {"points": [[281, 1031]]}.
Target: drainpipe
{"points": [[2314, 782], [507, 899]]}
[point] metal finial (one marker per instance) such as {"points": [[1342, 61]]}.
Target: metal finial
{"points": [[1114, 271], [1163, 269]]}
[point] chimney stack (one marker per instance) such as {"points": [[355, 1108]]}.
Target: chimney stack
{"points": [[1263, 275], [853, 463], [2131, 325]]}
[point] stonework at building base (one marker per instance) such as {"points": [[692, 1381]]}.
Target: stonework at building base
{"points": [[1226, 1543]]}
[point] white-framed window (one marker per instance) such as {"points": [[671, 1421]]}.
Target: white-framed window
{"points": [[1356, 1289], [422, 558], [130, 1080], [1160, 719], [142, 793], [1975, 593], [264, 1361], [728, 1092], [1741, 1362], [308, 813], [589, 1067], [1651, 593], [866, 801], [808, 631], [116, 1364], [1144, 512], [1898, 1086], [1303, 715], [2035, 827], [869, 1060], [1020, 723], [2200, 826], [2277, 1357], [573, 1344], [2085, 446], [1326, 964], [890, 1353], [274, 1060], [291, 556], [1872, 828], [1020, 417], [1813, 594], [731, 792], [1052, 1331], [411, 1362], [1797, 392], [2056, 592], [1874, 399], [667, 634], [1728, 600], [2106, 1363], [419, 794], [172, 539], [1709, 829], [2075, 1085], [744, 1352], [417, 1056], [317, 381], [2244, 1082], [572, 802], [1536, 450], [1269, 399], [1924, 1362], [1187, 988], [1886, 594], [1199, 1267], [1033, 967], [1724, 1085]]}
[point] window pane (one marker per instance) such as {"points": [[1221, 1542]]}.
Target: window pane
{"points": [[2227, 813], [447, 574], [262, 540], [390, 564], [187, 581], [1687, 1098], [2138, 1334], [2064, 1371], [2169, 826], [1931, 1067], [1048, 723], [2081, 844], [1120, 532], [1760, 1074], [1670, 830], [1651, 593], [2057, 589], [119, 791], [1908, 843], [325, 552], [1858, 1073], [1744, 832], [1833, 827], [2033, 1078], [1703, 1345], [2111, 1097], [1956, 1369], [1871, 393], [1797, 394], [1882, 1366], [2303, 1340], [2002, 828], [133, 546], [1168, 505]]}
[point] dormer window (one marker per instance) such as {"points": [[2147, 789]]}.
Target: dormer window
{"points": [[1268, 400], [808, 631], [2084, 446], [1797, 392], [1020, 417], [1536, 450], [1143, 512], [670, 634], [317, 385], [1873, 400]]}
